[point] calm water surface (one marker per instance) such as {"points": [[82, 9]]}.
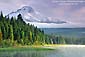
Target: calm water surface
{"points": [[58, 52], [68, 52]]}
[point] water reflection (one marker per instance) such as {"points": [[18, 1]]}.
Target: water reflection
{"points": [[59, 52], [24, 54]]}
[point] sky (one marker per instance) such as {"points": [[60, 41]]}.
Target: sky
{"points": [[72, 11]]}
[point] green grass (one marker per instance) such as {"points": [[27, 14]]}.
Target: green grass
{"points": [[24, 49]]}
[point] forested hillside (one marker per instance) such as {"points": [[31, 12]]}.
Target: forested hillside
{"points": [[15, 32]]}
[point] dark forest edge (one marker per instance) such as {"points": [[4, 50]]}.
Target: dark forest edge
{"points": [[15, 32]]}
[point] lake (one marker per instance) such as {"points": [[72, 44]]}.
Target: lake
{"points": [[58, 52], [66, 32], [68, 52]]}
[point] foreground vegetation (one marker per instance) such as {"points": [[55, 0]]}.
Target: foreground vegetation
{"points": [[11, 49]]}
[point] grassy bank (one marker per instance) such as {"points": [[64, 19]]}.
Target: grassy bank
{"points": [[25, 49]]}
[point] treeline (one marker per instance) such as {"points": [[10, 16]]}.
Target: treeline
{"points": [[59, 39], [16, 32], [78, 41]]}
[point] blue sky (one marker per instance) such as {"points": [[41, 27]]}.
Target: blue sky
{"points": [[73, 12]]}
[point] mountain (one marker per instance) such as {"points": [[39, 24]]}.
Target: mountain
{"points": [[30, 15]]}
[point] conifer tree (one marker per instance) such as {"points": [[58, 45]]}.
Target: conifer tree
{"points": [[11, 33], [0, 35]]}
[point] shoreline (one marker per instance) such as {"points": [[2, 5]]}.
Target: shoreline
{"points": [[53, 46], [67, 46], [72, 45]]}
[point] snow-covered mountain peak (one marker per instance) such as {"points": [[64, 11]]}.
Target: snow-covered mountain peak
{"points": [[30, 15], [26, 9]]}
